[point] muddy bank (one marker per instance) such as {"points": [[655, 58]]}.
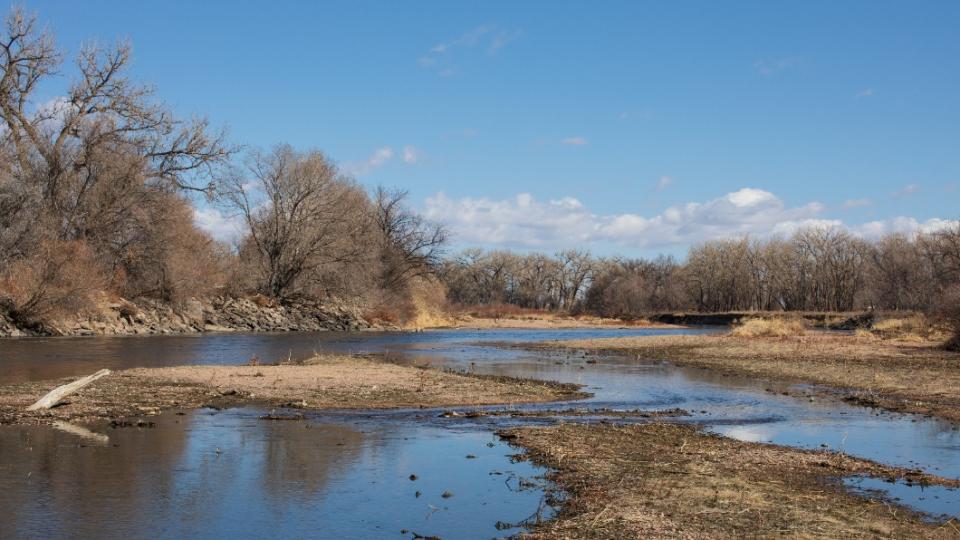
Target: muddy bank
{"points": [[672, 481], [219, 314], [324, 382], [916, 377]]}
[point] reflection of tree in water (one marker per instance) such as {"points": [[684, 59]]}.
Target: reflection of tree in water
{"points": [[303, 457], [193, 469], [53, 482]]}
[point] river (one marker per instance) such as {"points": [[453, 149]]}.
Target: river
{"points": [[357, 474]]}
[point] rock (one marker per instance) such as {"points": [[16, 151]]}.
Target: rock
{"points": [[217, 314]]}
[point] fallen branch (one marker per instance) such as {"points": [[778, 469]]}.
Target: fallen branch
{"points": [[57, 394]]}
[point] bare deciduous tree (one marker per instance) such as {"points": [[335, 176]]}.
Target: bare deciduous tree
{"points": [[303, 216], [411, 246]]}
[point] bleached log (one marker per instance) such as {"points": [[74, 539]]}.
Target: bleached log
{"points": [[57, 394]]}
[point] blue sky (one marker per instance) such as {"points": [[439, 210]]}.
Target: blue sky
{"points": [[621, 127]]}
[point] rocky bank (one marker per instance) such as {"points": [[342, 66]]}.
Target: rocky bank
{"points": [[219, 314]]}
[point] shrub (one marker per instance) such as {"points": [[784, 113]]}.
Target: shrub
{"points": [[59, 278], [753, 328], [948, 312]]}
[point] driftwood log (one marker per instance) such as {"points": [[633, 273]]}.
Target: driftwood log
{"points": [[57, 394]]}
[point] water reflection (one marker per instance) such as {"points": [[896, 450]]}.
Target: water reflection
{"points": [[937, 502], [229, 473]]}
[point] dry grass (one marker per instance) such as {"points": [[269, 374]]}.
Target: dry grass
{"points": [[327, 382], [670, 481], [916, 328], [898, 375], [753, 328]]}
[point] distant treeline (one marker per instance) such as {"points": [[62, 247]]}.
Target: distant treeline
{"points": [[816, 269], [96, 189]]}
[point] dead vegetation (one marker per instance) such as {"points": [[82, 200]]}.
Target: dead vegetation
{"points": [[671, 481], [752, 328], [324, 382], [908, 376]]}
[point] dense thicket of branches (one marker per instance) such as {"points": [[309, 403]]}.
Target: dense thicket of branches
{"points": [[534, 281], [94, 191], [817, 269], [91, 183]]}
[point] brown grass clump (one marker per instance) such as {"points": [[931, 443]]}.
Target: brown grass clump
{"points": [[671, 481], [754, 328], [916, 328]]}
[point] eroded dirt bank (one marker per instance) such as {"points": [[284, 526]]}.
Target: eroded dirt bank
{"points": [[672, 481], [324, 382], [918, 377]]}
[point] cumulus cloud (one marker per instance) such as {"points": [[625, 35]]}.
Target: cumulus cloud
{"points": [[220, 226], [575, 141], [410, 154], [377, 159], [527, 223], [664, 182], [901, 225]]}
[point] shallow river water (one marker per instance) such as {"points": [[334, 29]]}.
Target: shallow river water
{"points": [[213, 473]]}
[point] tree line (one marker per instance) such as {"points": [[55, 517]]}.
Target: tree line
{"points": [[97, 186], [815, 269]]}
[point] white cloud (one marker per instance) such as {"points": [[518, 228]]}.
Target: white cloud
{"points": [[865, 93], [410, 154], [224, 228], [664, 182], [575, 141], [526, 222], [857, 203], [902, 225], [376, 160]]}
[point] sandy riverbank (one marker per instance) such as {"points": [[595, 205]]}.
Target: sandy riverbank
{"points": [[323, 382]]}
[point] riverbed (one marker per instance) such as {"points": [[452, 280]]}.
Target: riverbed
{"points": [[348, 473]]}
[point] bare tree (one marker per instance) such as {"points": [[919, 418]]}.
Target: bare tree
{"points": [[102, 106], [411, 245], [98, 172], [303, 216]]}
